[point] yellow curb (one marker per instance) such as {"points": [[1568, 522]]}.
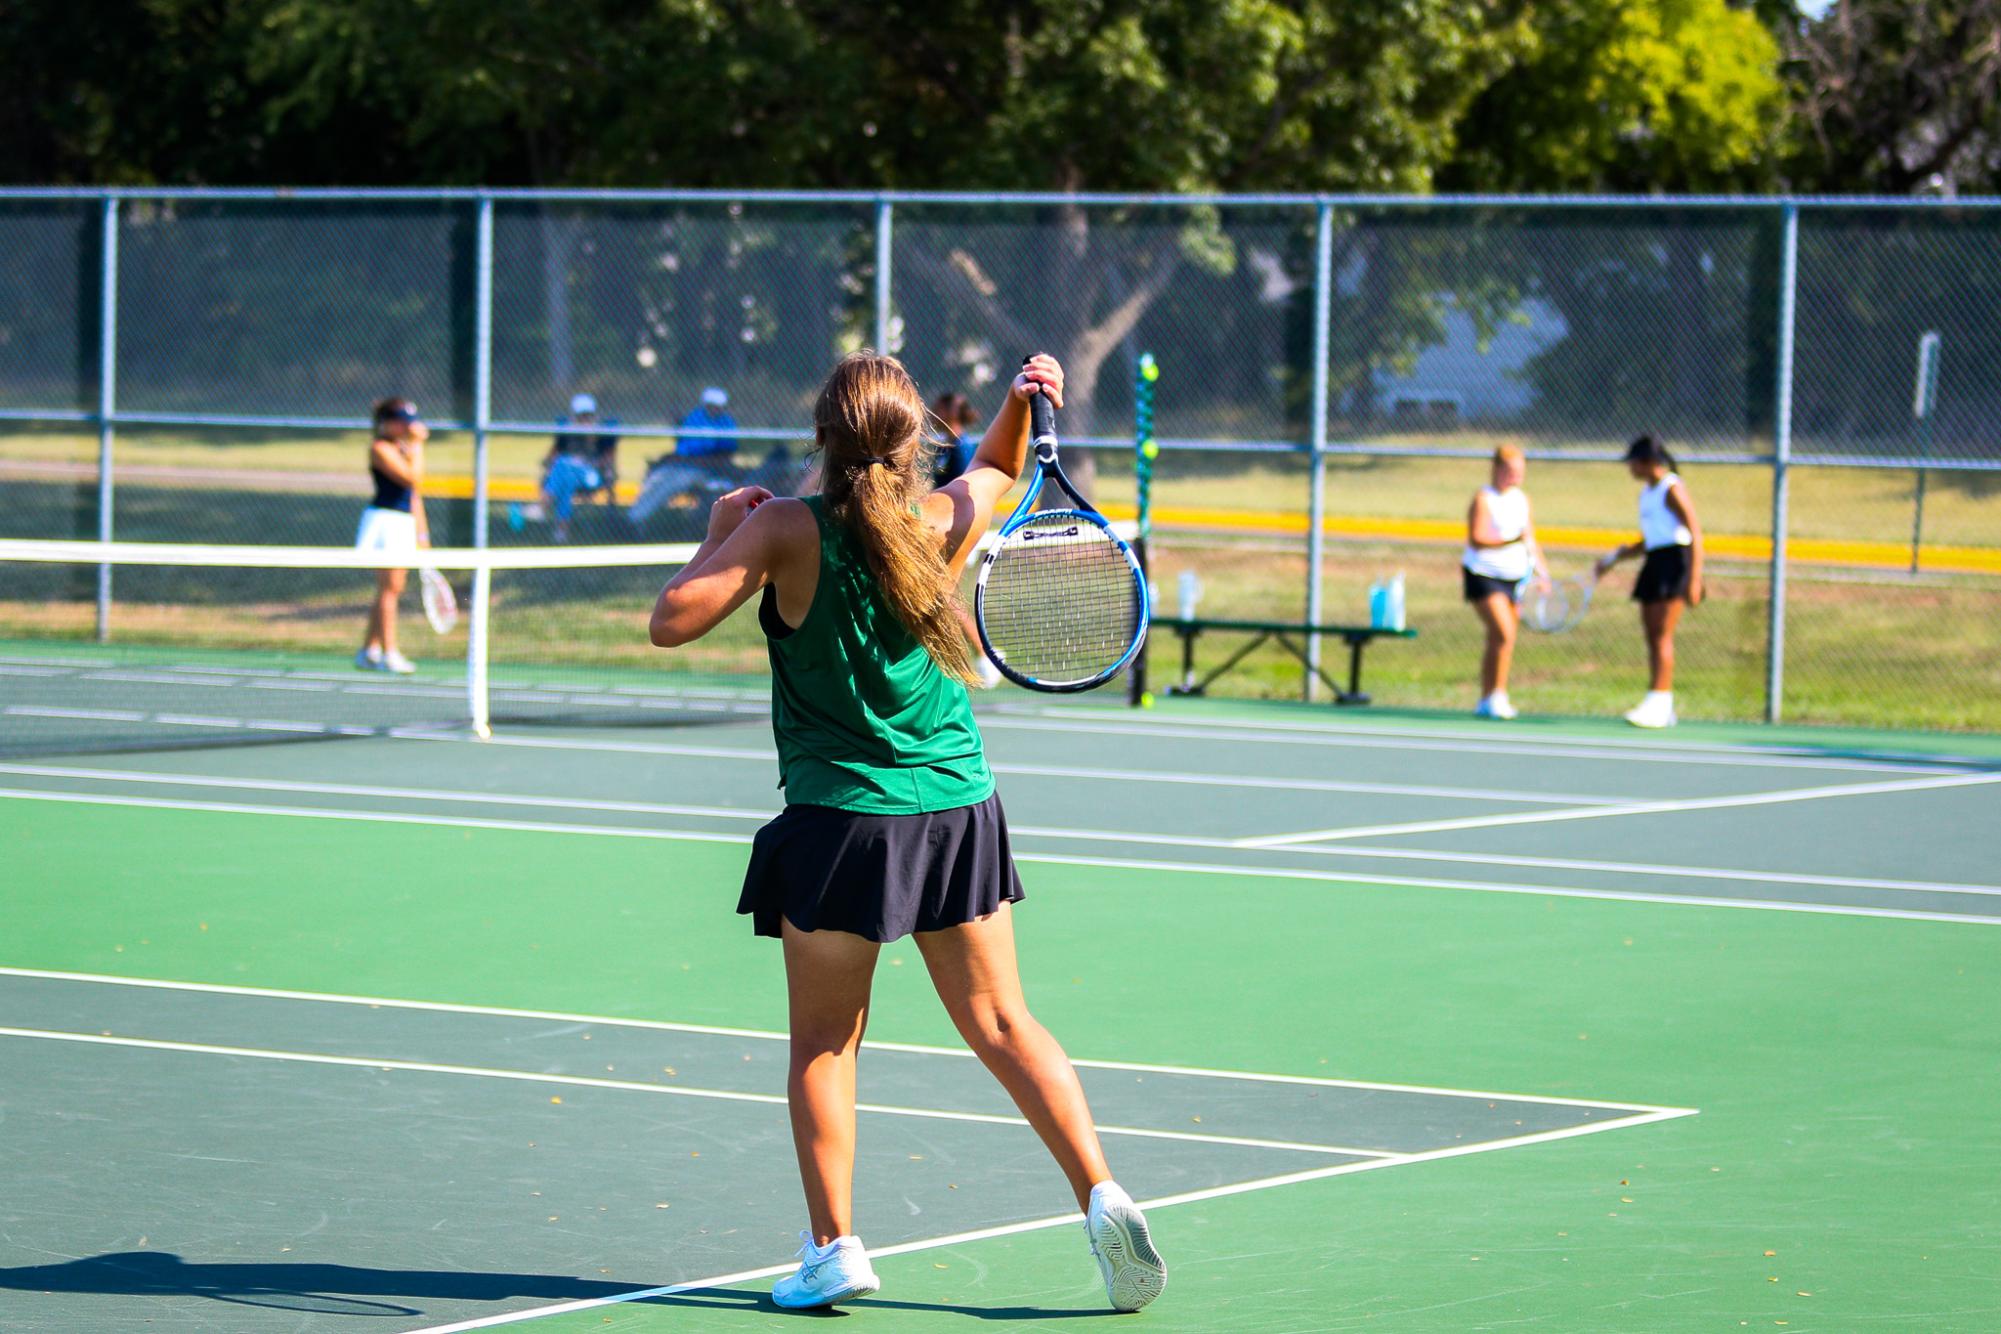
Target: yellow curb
{"points": [[1732, 546]]}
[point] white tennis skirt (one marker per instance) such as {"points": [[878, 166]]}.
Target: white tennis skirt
{"points": [[391, 531]]}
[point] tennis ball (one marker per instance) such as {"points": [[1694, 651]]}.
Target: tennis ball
{"points": [[1149, 371], [1146, 699], [1150, 449]]}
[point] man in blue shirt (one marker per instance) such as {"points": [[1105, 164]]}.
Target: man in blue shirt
{"points": [[711, 415]]}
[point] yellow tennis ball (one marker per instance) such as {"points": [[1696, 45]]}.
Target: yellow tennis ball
{"points": [[1146, 699], [1150, 449], [1149, 371]]}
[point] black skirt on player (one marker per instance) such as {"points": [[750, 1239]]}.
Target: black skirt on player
{"points": [[1480, 587], [880, 877], [1663, 575]]}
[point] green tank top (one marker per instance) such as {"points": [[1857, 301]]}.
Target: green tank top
{"points": [[864, 719]]}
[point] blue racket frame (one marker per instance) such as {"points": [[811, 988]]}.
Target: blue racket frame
{"points": [[1048, 470]]}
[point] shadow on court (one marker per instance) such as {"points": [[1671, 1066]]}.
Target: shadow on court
{"points": [[353, 1290]]}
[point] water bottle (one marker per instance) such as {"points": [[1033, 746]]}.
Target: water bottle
{"points": [[1379, 605], [1189, 589], [1396, 621]]}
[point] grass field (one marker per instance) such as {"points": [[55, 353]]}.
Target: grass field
{"points": [[1866, 645]]}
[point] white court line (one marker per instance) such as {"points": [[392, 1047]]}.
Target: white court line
{"points": [[1278, 734], [1637, 808], [1723, 751], [1086, 835], [1503, 887], [1032, 770], [513, 799], [766, 1035], [636, 1086], [1059, 1220], [1195, 868], [53, 711], [1642, 868], [370, 817], [388, 793]]}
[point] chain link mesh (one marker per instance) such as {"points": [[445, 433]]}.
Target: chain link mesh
{"points": [[271, 325], [48, 363]]}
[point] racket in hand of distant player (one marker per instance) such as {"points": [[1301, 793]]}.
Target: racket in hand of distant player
{"points": [[1059, 600], [441, 605], [1551, 606]]}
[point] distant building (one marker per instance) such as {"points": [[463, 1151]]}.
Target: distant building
{"points": [[1459, 380]]}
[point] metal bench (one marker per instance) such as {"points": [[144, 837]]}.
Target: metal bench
{"points": [[1290, 635]]}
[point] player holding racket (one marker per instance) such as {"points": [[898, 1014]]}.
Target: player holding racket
{"points": [[1501, 555], [393, 524], [892, 826], [1670, 571]]}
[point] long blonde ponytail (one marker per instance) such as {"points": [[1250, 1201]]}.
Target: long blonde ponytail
{"points": [[868, 425]]}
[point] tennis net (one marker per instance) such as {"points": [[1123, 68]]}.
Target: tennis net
{"points": [[137, 646]]}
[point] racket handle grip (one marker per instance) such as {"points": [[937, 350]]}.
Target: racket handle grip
{"points": [[1041, 418]]}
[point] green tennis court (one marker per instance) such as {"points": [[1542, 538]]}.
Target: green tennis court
{"points": [[1406, 1024]]}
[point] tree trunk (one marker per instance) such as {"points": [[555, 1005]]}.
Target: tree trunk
{"points": [[559, 241]]}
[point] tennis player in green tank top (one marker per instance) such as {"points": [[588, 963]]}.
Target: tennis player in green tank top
{"points": [[891, 825]]}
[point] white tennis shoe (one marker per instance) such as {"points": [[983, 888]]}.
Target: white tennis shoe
{"points": [[1496, 705], [393, 661], [1134, 1272], [1656, 710], [836, 1272]]}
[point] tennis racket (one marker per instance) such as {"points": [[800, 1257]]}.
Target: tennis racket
{"points": [[441, 606], [1059, 601], [1554, 607]]}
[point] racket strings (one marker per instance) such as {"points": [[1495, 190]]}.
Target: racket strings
{"points": [[1556, 607], [1060, 603]]}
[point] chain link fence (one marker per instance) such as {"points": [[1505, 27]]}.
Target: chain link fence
{"points": [[245, 335]]}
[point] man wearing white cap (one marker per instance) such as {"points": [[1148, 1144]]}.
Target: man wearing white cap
{"points": [[695, 442], [582, 459]]}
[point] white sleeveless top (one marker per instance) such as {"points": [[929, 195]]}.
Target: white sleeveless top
{"points": [[1659, 526], [1509, 512]]}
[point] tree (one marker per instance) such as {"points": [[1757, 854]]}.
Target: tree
{"points": [[1655, 98], [1896, 96], [1321, 95]]}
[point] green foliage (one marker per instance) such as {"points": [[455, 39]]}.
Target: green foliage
{"points": [[1673, 95]]}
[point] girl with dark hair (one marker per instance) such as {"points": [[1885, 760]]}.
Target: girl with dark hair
{"points": [[892, 826], [1670, 573], [392, 524]]}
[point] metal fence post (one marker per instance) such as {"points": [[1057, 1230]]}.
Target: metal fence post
{"points": [[482, 417], [1316, 502], [883, 209], [1782, 451], [107, 398]]}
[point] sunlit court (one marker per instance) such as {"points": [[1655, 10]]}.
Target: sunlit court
{"points": [[1245, 669]]}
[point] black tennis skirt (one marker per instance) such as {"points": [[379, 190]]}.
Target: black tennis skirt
{"points": [[1480, 587], [880, 877], [1663, 575]]}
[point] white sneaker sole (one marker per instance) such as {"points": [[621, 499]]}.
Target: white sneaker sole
{"points": [[1134, 1272], [862, 1287]]}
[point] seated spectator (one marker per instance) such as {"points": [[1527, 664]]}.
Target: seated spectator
{"points": [[956, 418], [582, 460], [712, 414]]}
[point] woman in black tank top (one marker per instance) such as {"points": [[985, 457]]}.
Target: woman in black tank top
{"points": [[393, 523]]}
